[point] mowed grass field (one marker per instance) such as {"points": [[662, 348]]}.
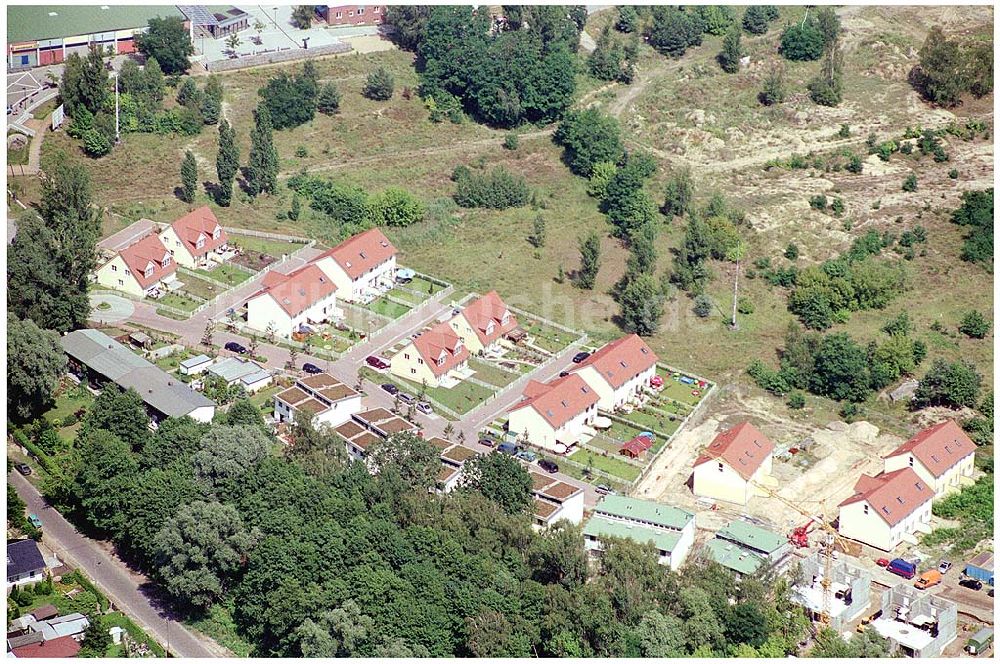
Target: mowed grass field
{"points": [[687, 113]]}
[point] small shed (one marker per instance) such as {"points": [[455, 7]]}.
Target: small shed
{"points": [[636, 447], [141, 340], [517, 335], [45, 612], [195, 365], [981, 567]]}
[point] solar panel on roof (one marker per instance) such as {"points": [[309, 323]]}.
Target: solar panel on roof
{"points": [[199, 15]]}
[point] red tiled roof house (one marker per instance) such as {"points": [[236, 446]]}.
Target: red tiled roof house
{"points": [[733, 465], [289, 301], [139, 268], [942, 455], [431, 356], [887, 509], [361, 267], [193, 237], [554, 412], [484, 322], [618, 371]]}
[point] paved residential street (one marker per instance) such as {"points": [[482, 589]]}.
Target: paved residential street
{"points": [[130, 592]]}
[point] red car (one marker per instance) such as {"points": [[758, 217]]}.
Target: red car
{"points": [[882, 562], [376, 362]]}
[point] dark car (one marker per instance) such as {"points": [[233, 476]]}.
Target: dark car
{"points": [[236, 348], [548, 466], [488, 442], [973, 584], [390, 388], [311, 368], [23, 468], [580, 357], [563, 374], [376, 362]]}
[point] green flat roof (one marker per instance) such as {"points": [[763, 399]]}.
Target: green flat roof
{"points": [[735, 558], [33, 22], [600, 527], [665, 516], [752, 537]]}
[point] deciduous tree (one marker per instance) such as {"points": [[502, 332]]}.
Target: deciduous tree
{"points": [[169, 42], [35, 363]]}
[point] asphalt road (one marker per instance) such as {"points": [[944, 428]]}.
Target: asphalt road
{"points": [[130, 592]]}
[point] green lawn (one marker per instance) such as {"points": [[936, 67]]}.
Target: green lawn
{"points": [[462, 398], [424, 286], [270, 247], [388, 308], [608, 464], [265, 396], [182, 302], [651, 419], [410, 297], [674, 389], [492, 374], [206, 290], [227, 274], [578, 473], [218, 625], [547, 337], [18, 156], [71, 399]]}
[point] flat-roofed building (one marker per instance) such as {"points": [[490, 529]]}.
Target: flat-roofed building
{"points": [[745, 548], [669, 529], [246, 373], [330, 402], [453, 460], [555, 500]]}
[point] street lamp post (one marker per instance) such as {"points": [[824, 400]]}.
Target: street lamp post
{"points": [[118, 136]]}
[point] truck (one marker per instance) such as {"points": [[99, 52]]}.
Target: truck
{"points": [[903, 568], [931, 577], [980, 642]]}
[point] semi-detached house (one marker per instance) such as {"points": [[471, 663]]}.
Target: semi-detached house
{"points": [[618, 371], [887, 509], [483, 323], [734, 465], [139, 269], [193, 237], [554, 414], [361, 267], [290, 301], [942, 455], [430, 357]]}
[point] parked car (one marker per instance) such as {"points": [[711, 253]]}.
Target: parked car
{"points": [[527, 455], [311, 368], [425, 408], [580, 357], [548, 466], [23, 468], [971, 584], [403, 280], [605, 490], [34, 520], [944, 566], [236, 348], [563, 374], [930, 578], [405, 398], [507, 448], [882, 562], [376, 362], [488, 442], [390, 388]]}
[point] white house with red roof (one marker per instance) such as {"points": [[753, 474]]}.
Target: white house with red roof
{"points": [[734, 465], [887, 509], [361, 267], [431, 357], [139, 269], [193, 237], [483, 323], [942, 455], [618, 371], [289, 301], [556, 413]]}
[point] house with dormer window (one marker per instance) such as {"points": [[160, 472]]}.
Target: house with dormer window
{"points": [[734, 465], [942, 455], [139, 269], [193, 237], [887, 509], [554, 414], [361, 267], [483, 323], [288, 303], [618, 371], [431, 357]]}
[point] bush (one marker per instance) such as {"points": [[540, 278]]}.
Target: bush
{"points": [[849, 412], [744, 305], [396, 207], [510, 142], [600, 177], [328, 100], [767, 378], [953, 174], [974, 325], [910, 183], [757, 17], [796, 400], [818, 202], [953, 385], [702, 306], [498, 189], [854, 164], [837, 207], [96, 143], [825, 91], [802, 41], [976, 212], [791, 251], [773, 91], [380, 85]]}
